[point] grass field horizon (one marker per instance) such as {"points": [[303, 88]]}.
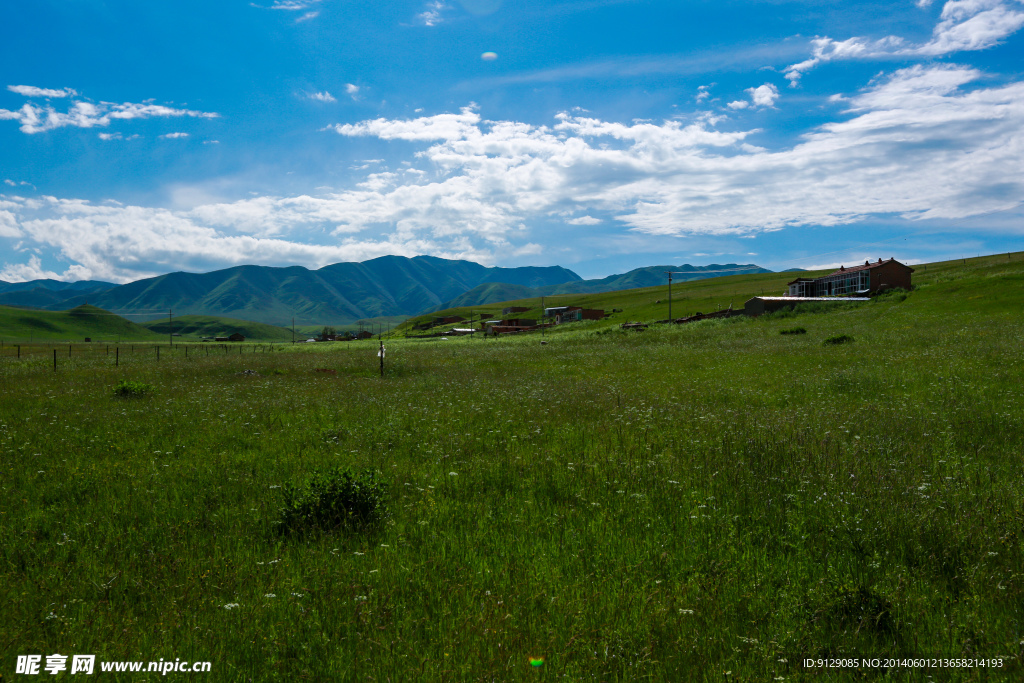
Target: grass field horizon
{"points": [[713, 501]]}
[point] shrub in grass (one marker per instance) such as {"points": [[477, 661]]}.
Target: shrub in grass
{"points": [[794, 330], [838, 339], [337, 498], [127, 388]]}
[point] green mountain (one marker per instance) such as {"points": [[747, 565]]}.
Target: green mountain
{"points": [[651, 276], [333, 295], [51, 294], [18, 324], [199, 326], [490, 293]]}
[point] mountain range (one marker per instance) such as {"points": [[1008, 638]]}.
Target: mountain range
{"points": [[337, 294]]}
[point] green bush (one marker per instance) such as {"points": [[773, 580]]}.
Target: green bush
{"points": [[337, 498], [794, 330], [127, 388], [838, 339]]}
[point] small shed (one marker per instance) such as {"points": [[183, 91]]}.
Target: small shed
{"points": [[760, 305], [236, 337]]}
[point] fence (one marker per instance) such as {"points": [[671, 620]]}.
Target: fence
{"points": [[122, 353]]}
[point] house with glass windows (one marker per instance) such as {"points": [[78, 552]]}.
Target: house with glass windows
{"points": [[862, 280]]}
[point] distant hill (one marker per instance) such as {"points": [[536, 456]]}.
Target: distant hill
{"points": [[490, 293], [49, 294], [333, 295], [210, 326], [18, 324], [56, 286], [650, 276]]}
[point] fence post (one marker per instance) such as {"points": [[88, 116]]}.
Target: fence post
{"points": [[55, 360], [117, 356], [158, 353], [19, 351]]}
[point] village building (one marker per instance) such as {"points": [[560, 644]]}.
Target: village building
{"points": [[575, 313], [514, 309], [863, 280]]}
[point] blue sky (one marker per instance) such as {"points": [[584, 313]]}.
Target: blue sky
{"points": [[600, 135]]}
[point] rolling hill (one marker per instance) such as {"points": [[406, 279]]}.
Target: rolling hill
{"points": [[20, 325], [199, 326], [650, 276]]}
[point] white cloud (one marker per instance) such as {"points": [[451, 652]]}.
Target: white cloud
{"points": [[431, 16], [352, 90], [36, 119], [306, 17], [703, 92], [738, 104], [32, 91], [322, 97], [965, 25], [294, 5], [919, 144], [173, 136], [764, 95], [8, 224]]}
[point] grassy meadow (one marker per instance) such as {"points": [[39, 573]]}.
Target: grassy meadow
{"points": [[713, 501]]}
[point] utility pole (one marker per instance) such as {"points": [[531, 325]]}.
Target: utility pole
{"points": [[669, 273], [542, 315]]}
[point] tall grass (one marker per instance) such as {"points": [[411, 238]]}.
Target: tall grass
{"points": [[710, 501]]}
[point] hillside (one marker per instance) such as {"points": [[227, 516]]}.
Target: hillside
{"points": [[333, 295], [490, 293], [48, 294], [703, 295], [712, 294], [21, 325], [199, 326], [649, 276]]}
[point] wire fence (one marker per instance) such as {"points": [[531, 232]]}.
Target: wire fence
{"points": [[117, 354]]}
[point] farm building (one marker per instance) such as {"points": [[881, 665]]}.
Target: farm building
{"points": [[448, 320], [574, 313], [857, 280], [514, 309], [760, 305]]}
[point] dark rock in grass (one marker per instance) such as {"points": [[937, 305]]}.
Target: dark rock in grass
{"points": [[838, 339]]}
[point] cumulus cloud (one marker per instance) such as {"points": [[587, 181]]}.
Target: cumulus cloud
{"points": [[763, 95], [8, 224], [922, 143], [81, 114], [173, 136], [964, 25], [32, 91], [738, 104]]}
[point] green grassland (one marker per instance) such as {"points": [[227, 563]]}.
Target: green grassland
{"points": [[199, 326], [27, 325], [713, 501], [698, 296]]}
